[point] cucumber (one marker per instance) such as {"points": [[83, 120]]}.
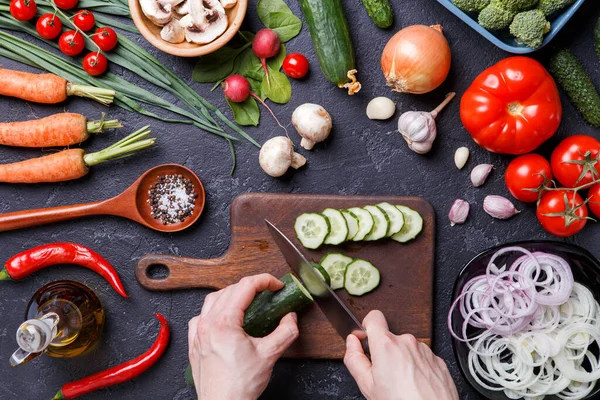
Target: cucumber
{"points": [[578, 85], [352, 222], [597, 38], [324, 273], [331, 38], [381, 223], [312, 229], [361, 277], [365, 223], [339, 228], [335, 264], [413, 224], [395, 216], [266, 310], [380, 12]]}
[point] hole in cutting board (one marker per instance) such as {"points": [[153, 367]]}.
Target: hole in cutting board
{"points": [[157, 271]]}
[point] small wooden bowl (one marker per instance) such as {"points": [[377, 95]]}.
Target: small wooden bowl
{"points": [[151, 32]]}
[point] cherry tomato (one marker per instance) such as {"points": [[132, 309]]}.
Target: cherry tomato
{"points": [[95, 63], [295, 65], [105, 38], [581, 149], [71, 43], [84, 20], [512, 107], [66, 4], [48, 26], [23, 10], [594, 199], [570, 205], [529, 171]]}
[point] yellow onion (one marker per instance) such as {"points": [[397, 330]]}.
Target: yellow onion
{"points": [[416, 59]]}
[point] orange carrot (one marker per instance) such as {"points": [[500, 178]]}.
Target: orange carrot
{"points": [[47, 88], [72, 163], [56, 130]]}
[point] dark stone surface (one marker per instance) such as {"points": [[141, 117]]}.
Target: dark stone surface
{"points": [[361, 157]]}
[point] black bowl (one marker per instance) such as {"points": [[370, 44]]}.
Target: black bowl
{"points": [[586, 271]]}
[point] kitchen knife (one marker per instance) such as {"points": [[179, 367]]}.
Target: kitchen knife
{"points": [[332, 306]]}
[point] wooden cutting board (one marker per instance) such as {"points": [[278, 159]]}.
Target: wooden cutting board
{"points": [[405, 294]]}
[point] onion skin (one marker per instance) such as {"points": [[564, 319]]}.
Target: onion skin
{"points": [[416, 59]]}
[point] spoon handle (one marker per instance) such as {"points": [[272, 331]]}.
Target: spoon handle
{"points": [[28, 218]]}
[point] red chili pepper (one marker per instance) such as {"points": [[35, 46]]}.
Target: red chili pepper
{"points": [[120, 373], [32, 260]]}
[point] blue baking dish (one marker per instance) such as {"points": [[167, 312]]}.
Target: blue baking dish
{"points": [[502, 39]]}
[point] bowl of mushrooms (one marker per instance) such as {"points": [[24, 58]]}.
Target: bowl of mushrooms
{"points": [[188, 28]]}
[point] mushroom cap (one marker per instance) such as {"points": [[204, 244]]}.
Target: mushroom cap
{"points": [[182, 8], [173, 32], [159, 12], [228, 3], [312, 122], [275, 156], [207, 21]]}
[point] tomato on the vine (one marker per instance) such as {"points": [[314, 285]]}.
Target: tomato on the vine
{"points": [[529, 171], [105, 38], [562, 212], [575, 161], [84, 20], [48, 26], [71, 43], [594, 199], [23, 10], [66, 4], [95, 63], [295, 65]]}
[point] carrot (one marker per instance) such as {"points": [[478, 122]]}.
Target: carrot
{"points": [[47, 88], [72, 163], [63, 129]]}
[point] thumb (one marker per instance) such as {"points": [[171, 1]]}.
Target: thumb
{"points": [[273, 345], [357, 362]]}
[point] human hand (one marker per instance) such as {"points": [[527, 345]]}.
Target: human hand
{"points": [[226, 362], [400, 368]]}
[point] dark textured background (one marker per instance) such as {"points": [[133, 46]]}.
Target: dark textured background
{"points": [[361, 157]]}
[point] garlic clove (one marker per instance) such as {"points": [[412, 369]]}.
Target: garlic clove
{"points": [[499, 207], [381, 108], [458, 212], [461, 156], [480, 173]]}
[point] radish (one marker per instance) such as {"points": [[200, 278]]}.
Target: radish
{"points": [[265, 45], [236, 88]]}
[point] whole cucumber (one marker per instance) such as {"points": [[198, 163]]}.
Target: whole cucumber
{"points": [[380, 12]]}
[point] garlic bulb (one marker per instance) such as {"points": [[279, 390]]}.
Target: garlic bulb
{"points": [[419, 129]]}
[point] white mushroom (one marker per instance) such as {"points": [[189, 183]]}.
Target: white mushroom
{"points": [[173, 32], [182, 8], [207, 21], [159, 12], [277, 156], [228, 3], [313, 123]]}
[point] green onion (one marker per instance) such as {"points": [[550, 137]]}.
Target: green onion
{"points": [[123, 148]]}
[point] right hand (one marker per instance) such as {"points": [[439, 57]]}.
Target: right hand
{"points": [[400, 368]]}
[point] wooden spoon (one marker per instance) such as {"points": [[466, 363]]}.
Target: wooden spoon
{"points": [[132, 204]]}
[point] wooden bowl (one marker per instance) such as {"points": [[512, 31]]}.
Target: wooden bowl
{"points": [[151, 32]]}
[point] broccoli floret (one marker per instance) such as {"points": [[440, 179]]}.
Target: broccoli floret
{"points": [[529, 27], [471, 6], [495, 17], [551, 6], [517, 5]]}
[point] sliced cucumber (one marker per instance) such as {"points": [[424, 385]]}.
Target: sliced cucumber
{"points": [[339, 228], [361, 277], [311, 229], [365, 223], [324, 273], [413, 224], [381, 223], [352, 222], [395, 216], [335, 264]]}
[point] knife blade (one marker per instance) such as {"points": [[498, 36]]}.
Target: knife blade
{"points": [[338, 314]]}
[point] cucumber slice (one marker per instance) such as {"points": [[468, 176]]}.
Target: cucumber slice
{"points": [[311, 229], [339, 228], [335, 264], [365, 223], [312, 283], [413, 224], [324, 273], [396, 218], [352, 222], [361, 277], [381, 223]]}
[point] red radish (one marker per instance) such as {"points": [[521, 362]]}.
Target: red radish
{"points": [[236, 88], [265, 45]]}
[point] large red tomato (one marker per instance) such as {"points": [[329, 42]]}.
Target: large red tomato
{"points": [[575, 161], [512, 107]]}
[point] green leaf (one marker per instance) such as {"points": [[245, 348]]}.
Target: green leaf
{"points": [[276, 62], [250, 67], [280, 90], [217, 65], [256, 88], [245, 113], [276, 15]]}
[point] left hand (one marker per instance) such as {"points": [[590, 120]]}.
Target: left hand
{"points": [[226, 362]]}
